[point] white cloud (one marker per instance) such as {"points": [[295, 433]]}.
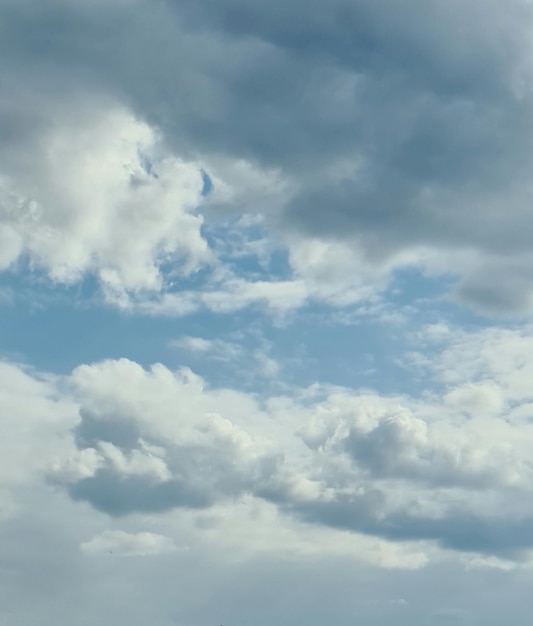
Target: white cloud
{"points": [[164, 442], [120, 543], [272, 156], [217, 349], [396, 468], [418, 472], [256, 527], [484, 397], [247, 360], [84, 464], [228, 295], [196, 344], [336, 272], [10, 246], [96, 195], [485, 364], [35, 416]]}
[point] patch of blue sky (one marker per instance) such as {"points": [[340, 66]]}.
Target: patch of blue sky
{"points": [[424, 300], [362, 347], [307, 350], [208, 184], [56, 329], [365, 346], [363, 354], [147, 164], [409, 285], [313, 344]]}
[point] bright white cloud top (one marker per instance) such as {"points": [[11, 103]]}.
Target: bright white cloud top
{"points": [[266, 295], [87, 201]]}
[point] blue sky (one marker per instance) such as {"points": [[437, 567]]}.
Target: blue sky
{"points": [[266, 312]]}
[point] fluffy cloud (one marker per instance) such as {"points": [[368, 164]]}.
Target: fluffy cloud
{"points": [[160, 446], [209, 157], [439, 468], [419, 471], [35, 416], [97, 196]]}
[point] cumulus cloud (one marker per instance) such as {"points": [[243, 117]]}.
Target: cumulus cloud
{"points": [[367, 139], [160, 447], [95, 197], [209, 157], [404, 469], [442, 468], [403, 446]]}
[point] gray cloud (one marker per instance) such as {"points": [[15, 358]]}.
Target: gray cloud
{"points": [[116, 495], [401, 447], [456, 529], [92, 429], [399, 128]]}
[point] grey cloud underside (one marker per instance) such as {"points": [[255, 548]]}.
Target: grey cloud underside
{"points": [[426, 93], [391, 457], [195, 475], [199, 479], [116, 495], [455, 531], [91, 430], [456, 528]]}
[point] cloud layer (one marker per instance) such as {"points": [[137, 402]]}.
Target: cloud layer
{"points": [[402, 135], [452, 468], [334, 199]]}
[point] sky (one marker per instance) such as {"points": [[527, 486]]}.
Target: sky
{"points": [[266, 312]]}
